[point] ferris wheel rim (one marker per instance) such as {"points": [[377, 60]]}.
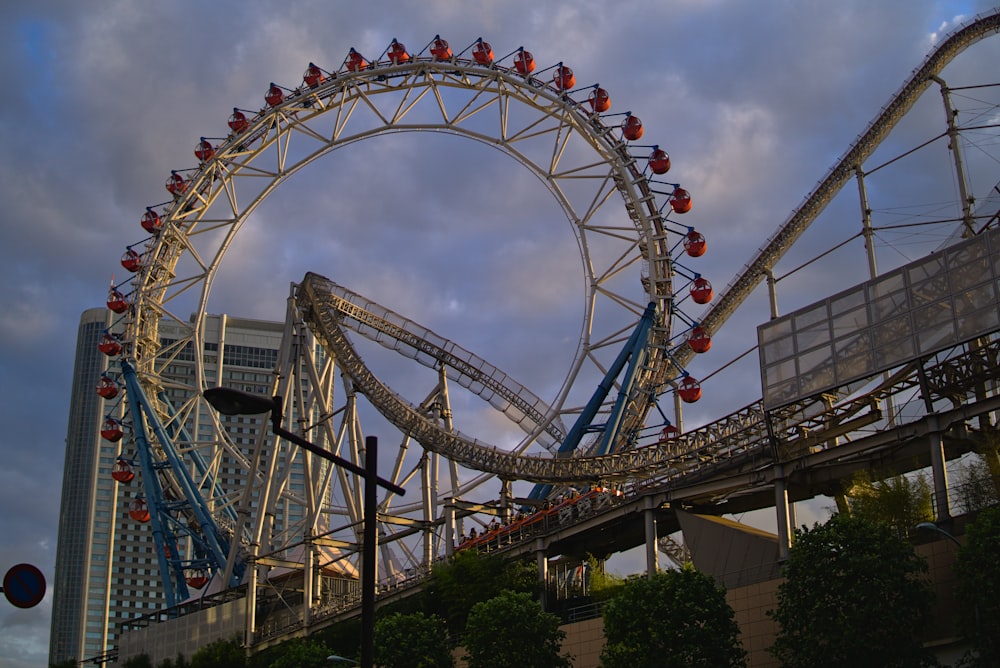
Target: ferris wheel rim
{"points": [[590, 128]]}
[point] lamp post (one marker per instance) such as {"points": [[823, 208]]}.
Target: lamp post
{"points": [[229, 401]]}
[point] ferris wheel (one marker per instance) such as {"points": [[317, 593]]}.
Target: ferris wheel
{"points": [[614, 191]]}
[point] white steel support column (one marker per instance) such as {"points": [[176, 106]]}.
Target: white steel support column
{"points": [[956, 152], [781, 512], [649, 522], [942, 509]]}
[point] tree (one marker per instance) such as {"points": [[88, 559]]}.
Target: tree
{"points": [[899, 501], [978, 587], [512, 630], [671, 619], [412, 641], [220, 654], [302, 653], [138, 661], [469, 578], [855, 594]]}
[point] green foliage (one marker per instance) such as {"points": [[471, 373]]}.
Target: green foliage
{"points": [[978, 588], [854, 595], [976, 485], [302, 653], [412, 641], [138, 661], [512, 630], [179, 662], [603, 585], [672, 619], [469, 578], [899, 501], [220, 654]]}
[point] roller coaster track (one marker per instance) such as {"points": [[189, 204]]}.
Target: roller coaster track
{"points": [[739, 288], [745, 436]]}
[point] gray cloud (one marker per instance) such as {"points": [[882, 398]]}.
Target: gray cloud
{"points": [[754, 101]]}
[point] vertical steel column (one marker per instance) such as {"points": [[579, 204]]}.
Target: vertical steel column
{"points": [[369, 555], [649, 523], [953, 136]]}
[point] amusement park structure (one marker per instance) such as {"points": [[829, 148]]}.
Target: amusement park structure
{"points": [[602, 440]]}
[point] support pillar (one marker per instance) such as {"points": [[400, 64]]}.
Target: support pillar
{"points": [[942, 508], [649, 520], [781, 512], [543, 570], [449, 528]]}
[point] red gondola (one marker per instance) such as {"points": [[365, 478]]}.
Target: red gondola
{"points": [[116, 300], [483, 52], [659, 161], [204, 150], [110, 344], [599, 100], [355, 61], [694, 243], [238, 121], [440, 49], [669, 433], [680, 201], [699, 340], [524, 62], [107, 388], [138, 510], [176, 185], [398, 53], [632, 128], [701, 290], [564, 79], [689, 390], [151, 221], [112, 430], [313, 76], [131, 260], [274, 95], [122, 471], [197, 578]]}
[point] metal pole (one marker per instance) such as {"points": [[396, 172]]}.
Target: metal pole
{"points": [[368, 553]]}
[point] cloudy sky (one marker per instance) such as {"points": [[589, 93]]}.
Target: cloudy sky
{"points": [[753, 100]]}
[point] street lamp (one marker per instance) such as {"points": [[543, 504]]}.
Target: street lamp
{"points": [[930, 526], [229, 401]]}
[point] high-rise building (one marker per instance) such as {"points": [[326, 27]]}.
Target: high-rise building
{"points": [[106, 563]]}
